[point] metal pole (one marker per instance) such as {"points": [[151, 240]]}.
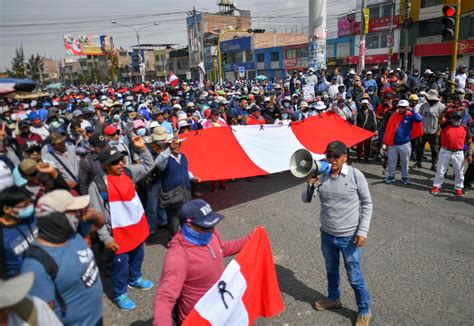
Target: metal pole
{"points": [[142, 59], [390, 48], [454, 57], [317, 34], [219, 55], [407, 29], [361, 66]]}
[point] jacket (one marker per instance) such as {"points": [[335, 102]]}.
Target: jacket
{"points": [[399, 128], [188, 272]]}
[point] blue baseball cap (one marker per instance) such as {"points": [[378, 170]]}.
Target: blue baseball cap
{"points": [[200, 213], [34, 115]]}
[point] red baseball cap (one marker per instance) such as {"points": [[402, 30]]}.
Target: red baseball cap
{"points": [[110, 130]]}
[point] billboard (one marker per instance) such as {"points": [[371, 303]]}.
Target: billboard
{"points": [[87, 44], [236, 45]]}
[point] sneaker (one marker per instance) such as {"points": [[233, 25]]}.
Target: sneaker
{"points": [[417, 165], [125, 303], [458, 192], [326, 304], [406, 181], [435, 190], [363, 320], [433, 168], [389, 180], [152, 239], [141, 284]]}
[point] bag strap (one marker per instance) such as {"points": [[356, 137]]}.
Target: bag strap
{"points": [[63, 165], [182, 177], [102, 188], [3, 261], [50, 266]]}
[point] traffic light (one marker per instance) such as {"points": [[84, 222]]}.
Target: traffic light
{"points": [[256, 30], [449, 22], [224, 58]]}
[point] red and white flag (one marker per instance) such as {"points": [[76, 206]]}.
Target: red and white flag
{"points": [[246, 151], [247, 289], [173, 80], [129, 224]]}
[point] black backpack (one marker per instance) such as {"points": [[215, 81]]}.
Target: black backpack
{"points": [[40, 255]]}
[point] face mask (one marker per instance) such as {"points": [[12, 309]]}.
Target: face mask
{"points": [[117, 117], [370, 93], [54, 227], [456, 123], [310, 73], [432, 102], [26, 212], [286, 105], [422, 99], [284, 116], [141, 132], [195, 237], [114, 142]]}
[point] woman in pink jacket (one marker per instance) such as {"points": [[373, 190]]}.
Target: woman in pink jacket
{"points": [[193, 263]]}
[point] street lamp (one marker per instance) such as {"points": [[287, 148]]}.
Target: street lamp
{"points": [[140, 54]]}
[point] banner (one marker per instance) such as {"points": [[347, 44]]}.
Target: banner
{"points": [[88, 44], [366, 20], [246, 151]]}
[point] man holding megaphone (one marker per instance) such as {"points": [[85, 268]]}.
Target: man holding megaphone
{"points": [[346, 211]]}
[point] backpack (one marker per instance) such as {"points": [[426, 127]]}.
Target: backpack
{"points": [[51, 268], [102, 187]]}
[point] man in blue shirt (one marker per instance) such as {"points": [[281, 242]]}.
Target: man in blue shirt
{"points": [[75, 294], [17, 228], [368, 81]]}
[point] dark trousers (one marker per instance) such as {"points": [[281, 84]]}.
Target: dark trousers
{"points": [[365, 147], [469, 176], [173, 220], [126, 268], [431, 139]]}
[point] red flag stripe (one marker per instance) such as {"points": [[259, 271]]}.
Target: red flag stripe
{"points": [[131, 236]]}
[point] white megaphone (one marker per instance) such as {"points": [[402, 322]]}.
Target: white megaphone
{"points": [[302, 164]]}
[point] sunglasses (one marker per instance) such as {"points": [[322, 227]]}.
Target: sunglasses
{"points": [[333, 156], [117, 161]]}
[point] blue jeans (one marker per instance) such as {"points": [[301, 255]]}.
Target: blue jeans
{"points": [[331, 246], [126, 268], [154, 213]]}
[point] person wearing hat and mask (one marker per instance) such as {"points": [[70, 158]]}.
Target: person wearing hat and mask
{"points": [[25, 135], [461, 76], [37, 126], [302, 113], [455, 137], [194, 262], [346, 212], [118, 139], [284, 119], [75, 292], [365, 119], [369, 81], [175, 177], [114, 194], [19, 308], [397, 137], [89, 166], [432, 112], [160, 118], [255, 117], [17, 228], [333, 88], [156, 215], [311, 79], [64, 157]]}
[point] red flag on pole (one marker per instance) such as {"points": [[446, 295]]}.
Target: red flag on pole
{"points": [[173, 79], [247, 289]]}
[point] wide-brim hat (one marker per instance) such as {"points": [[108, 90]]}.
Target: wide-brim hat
{"points": [[12, 291], [171, 138], [159, 134], [432, 95]]}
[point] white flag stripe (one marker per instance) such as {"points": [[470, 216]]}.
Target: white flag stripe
{"points": [[209, 305], [125, 213], [272, 149]]}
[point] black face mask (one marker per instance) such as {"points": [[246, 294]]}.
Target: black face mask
{"points": [[54, 228], [432, 102]]}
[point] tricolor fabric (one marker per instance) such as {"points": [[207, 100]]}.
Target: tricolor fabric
{"points": [[248, 289], [394, 123], [173, 80], [234, 152], [129, 224]]}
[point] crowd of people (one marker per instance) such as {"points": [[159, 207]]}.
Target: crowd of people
{"points": [[95, 170]]}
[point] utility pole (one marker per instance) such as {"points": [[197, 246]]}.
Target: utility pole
{"points": [[407, 24], [361, 66], [454, 57], [390, 48], [317, 34]]}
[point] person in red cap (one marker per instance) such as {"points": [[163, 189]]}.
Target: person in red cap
{"points": [[113, 137]]}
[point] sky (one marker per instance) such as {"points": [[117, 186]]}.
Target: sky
{"points": [[39, 25]]}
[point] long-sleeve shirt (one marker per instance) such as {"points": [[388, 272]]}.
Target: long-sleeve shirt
{"points": [[188, 272], [138, 172], [346, 204], [68, 159]]}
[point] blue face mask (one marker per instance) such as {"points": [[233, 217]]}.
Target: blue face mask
{"points": [[284, 116], [195, 237], [26, 212], [141, 132], [117, 117]]}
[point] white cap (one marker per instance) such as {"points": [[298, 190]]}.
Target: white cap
{"points": [[177, 107], [368, 72], [403, 103], [154, 124], [364, 102], [320, 105]]}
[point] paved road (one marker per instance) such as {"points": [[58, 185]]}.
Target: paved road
{"points": [[418, 262]]}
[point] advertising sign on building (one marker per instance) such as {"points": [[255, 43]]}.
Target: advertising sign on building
{"points": [[87, 44], [345, 25], [236, 45]]}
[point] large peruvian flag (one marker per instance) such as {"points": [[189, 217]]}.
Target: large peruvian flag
{"points": [[247, 289], [246, 151], [173, 80], [129, 224]]}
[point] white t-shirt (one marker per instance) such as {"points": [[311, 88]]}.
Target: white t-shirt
{"points": [[462, 80], [42, 131]]}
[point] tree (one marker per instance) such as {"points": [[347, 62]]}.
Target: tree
{"points": [[111, 58], [35, 67], [18, 64]]}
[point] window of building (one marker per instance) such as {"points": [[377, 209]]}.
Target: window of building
{"points": [[471, 30], [275, 56], [291, 53], [302, 53], [330, 51], [380, 11], [430, 3], [376, 40], [430, 27], [248, 56], [260, 57], [343, 49]]}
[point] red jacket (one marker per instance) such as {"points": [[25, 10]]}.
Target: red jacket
{"points": [[188, 272], [252, 120]]}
